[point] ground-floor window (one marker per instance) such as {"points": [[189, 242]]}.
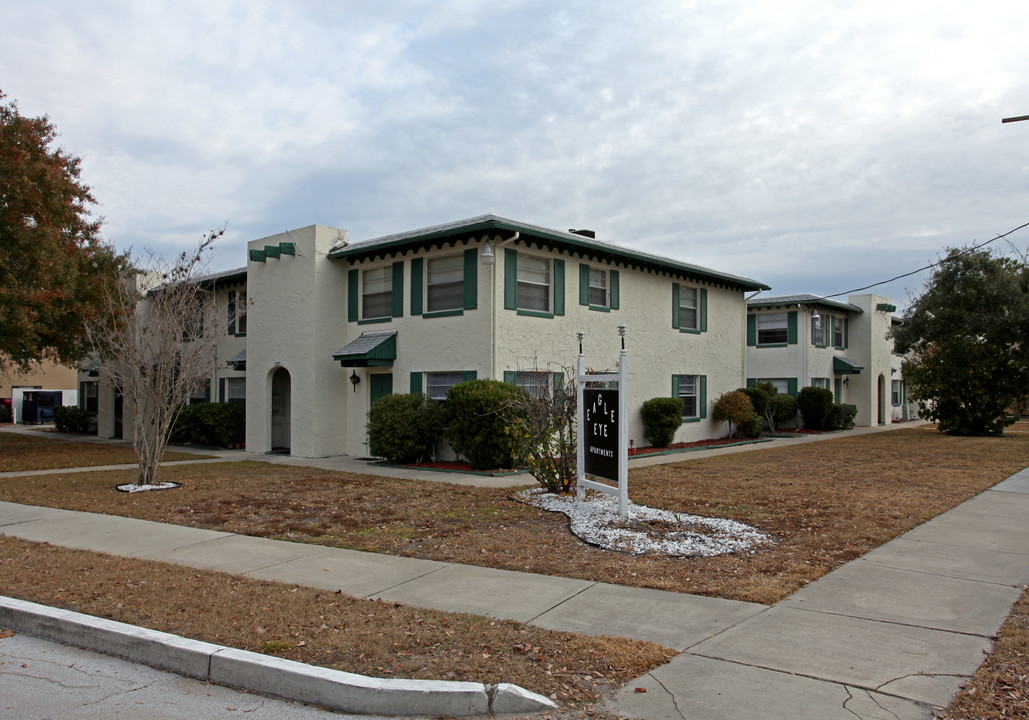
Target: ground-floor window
{"points": [[689, 394], [236, 392], [820, 383], [438, 383], [898, 392], [89, 397]]}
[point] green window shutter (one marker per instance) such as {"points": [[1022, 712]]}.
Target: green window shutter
{"points": [[703, 395], [398, 288], [675, 305], [353, 295], [232, 312], [751, 330], [584, 284], [703, 309], [510, 377], [82, 396], [470, 375], [675, 386], [471, 278], [559, 287], [207, 390], [416, 382], [791, 327], [417, 275], [558, 380], [846, 333], [510, 279], [614, 290], [813, 329], [221, 389], [791, 386], [751, 382]]}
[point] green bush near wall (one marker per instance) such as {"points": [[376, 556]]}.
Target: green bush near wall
{"points": [[211, 424], [405, 428], [476, 412], [71, 419], [815, 405], [662, 416]]}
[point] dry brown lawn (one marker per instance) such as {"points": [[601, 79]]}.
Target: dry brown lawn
{"points": [[22, 453], [1000, 687], [827, 503], [324, 628]]}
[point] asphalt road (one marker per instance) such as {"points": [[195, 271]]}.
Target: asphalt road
{"points": [[41, 680]]}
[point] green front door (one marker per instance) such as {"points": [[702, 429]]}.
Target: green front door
{"points": [[381, 384]]}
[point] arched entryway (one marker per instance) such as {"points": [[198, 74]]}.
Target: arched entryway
{"points": [[280, 409], [881, 400]]}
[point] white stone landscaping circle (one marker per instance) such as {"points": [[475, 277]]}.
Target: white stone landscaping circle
{"points": [[648, 531], [133, 487]]}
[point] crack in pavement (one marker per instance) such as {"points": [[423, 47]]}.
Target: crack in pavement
{"points": [[670, 694]]}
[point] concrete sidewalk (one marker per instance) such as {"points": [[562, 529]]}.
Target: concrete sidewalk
{"points": [[890, 636]]}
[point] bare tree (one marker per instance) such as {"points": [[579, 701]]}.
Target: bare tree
{"points": [[153, 347], [543, 423]]}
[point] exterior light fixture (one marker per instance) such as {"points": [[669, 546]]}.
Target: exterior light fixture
{"points": [[815, 314], [487, 257], [846, 381], [354, 379]]}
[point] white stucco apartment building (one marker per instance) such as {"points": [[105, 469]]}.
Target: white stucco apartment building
{"points": [[798, 341]]}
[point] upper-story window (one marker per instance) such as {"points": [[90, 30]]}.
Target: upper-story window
{"points": [[445, 283], [534, 284], [818, 331], [839, 332], [598, 288], [241, 312], [377, 293], [772, 329], [689, 306]]}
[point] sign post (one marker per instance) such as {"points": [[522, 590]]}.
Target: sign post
{"points": [[603, 433]]}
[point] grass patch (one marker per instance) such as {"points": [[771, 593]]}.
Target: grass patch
{"points": [[323, 628], [827, 502], [1000, 687], [25, 453]]}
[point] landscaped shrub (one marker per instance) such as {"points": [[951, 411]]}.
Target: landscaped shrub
{"points": [[211, 424], [661, 418], [815, 405], [733, 407], [71, 419], [753, 427], [6, 415], [759, 397], [475, 411], [841, 417], [404, 428], [782, 409]]}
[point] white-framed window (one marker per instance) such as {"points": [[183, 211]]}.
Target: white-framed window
{"points": [[89, 390], [537, 383], [534, 283], [236, 391], [818, 330], [444, 287], [689, 315], [689, 392], [898, 392], [820, 383], [241, 312], [781, 385], [438, 383], [839, 334], [599, 288], [772, 329], [377, 293]]}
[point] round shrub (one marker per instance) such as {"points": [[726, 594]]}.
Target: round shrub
{"points": [[754, 427], [476, 410], [783, 409], [404, 428], [661, 418], [759, 398], [815, 405], [733, 407], [70, 418], [841, 417]]}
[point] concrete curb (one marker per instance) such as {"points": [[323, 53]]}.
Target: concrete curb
{"points": [[253, 672]]}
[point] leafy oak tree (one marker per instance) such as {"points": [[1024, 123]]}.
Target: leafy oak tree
{"points": [[54, 268], [969, 337]]}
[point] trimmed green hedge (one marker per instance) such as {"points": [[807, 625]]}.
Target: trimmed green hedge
{"points": [[211, 424], [405, 428], [662, 416], [475, 411]]}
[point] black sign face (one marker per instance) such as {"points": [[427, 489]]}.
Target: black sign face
{"points": [[600, 432]]}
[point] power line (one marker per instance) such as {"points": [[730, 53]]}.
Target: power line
{"points": [[932, 265]]}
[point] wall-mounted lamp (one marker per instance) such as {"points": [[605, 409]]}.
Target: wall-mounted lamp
{"points": [[846, 381], [354, 379], [487, 257], [815, 314]]}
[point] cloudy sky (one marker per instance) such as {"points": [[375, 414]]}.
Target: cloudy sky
{"points": [[814, 146]]}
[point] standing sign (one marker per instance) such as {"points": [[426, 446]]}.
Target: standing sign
{"points": [[603, 434]]}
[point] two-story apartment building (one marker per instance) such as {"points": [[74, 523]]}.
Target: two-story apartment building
{"points": [[316, 328], [797, 341]]}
